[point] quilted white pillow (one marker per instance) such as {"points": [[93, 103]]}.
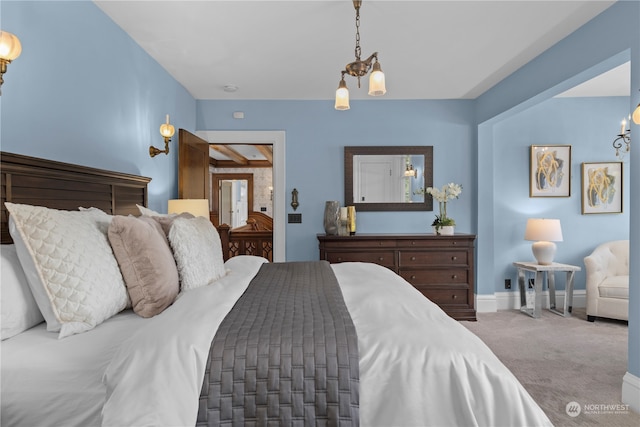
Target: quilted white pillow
{"points": [[197, 250], [70, 267]]}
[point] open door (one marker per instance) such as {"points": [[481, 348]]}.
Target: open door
{"points": [[193, 167]]}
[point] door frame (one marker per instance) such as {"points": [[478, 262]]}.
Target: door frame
{"points": [[277, 140]]}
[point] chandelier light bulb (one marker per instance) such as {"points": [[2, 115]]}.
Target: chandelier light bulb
{"points": [[376, 81], [342, 96]]}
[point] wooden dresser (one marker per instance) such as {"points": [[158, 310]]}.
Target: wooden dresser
{"points": [[441, 267]]}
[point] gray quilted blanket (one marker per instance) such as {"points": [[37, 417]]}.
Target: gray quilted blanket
{"points": [[285, 355]]}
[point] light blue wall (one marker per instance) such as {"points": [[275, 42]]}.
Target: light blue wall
{"points": [[83, 92], [315, 138], [589, 126]]}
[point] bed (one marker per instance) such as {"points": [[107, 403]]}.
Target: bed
{"points": [[415, 365]]}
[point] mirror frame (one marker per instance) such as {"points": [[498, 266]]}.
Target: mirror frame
{"points": [[425, 150]]}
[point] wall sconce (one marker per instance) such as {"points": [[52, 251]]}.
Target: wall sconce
{"points": [[543, 232], [10, 49], [167, 131], [410, 171], [624, 137], [196, 207]]}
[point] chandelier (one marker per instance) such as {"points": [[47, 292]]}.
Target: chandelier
{"points": [[360, 68]]}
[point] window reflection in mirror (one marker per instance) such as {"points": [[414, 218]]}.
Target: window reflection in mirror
{"points": [[388, 178]]}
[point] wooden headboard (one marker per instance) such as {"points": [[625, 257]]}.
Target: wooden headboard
{"points": [[57, 185]]}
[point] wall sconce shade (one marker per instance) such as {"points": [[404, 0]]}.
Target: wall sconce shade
{"points": [[636, 115], [166, 130], [410, 171], [543, 232], [196, 207], [10, 49]]}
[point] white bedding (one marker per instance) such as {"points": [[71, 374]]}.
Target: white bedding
{"points": [[418, 366]]}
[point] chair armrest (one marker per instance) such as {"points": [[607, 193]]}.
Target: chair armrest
{"points": [[596, 269]]}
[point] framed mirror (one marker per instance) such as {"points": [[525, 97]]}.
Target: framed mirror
{"points": [[388, 178], [232, 198]]}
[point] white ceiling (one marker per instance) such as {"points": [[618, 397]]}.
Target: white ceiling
{"points": [[296, 49]]}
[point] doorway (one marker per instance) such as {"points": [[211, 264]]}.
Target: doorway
{"points": [[277, 140]]}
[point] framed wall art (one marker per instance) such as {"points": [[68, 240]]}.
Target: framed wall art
{"points": [[601, 187], [550, 171]]}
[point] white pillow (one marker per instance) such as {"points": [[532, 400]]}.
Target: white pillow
{"points": [[148, 212], [197, 250], [19, 310], [69, 264]]}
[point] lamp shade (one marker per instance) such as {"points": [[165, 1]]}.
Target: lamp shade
{"points": [[342, 96], [377, 85], [547, 230], [10, 47], [196, 207], [166, 129], [636, 115], [544, 232]]}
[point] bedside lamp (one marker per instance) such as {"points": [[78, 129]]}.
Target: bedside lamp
{"points": [[543, 232], [196, 207]]}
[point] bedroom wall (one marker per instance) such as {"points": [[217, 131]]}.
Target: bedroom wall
{"points": [[588, 125], [83, 92], [315, 138]]}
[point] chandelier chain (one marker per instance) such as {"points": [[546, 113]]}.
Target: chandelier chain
{"points": [[358, 50]]}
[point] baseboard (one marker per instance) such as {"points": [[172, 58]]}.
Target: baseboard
{"points": [[631, 392], [511, 300]]}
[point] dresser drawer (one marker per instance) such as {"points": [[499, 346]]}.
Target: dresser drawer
{"points": [[438, 242], [384, 258], [435, 276], [350, 243], [416, 258], [444, 297]]}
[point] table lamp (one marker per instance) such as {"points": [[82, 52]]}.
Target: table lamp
{"points": [[543, 232], [196, 207]]}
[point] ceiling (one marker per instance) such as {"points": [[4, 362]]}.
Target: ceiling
{"points": [[295, 49]]}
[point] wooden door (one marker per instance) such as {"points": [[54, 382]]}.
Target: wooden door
{"points": [[193, 167]]}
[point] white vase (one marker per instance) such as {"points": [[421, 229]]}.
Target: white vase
{"points": [[446, 230]]}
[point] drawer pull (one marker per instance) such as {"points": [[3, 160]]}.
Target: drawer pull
{"points": [[455, 276], [454, 258], [413, 258], [413, 242], [413, 277], [339, 259], [454, 243], [381, 259], [454, 296]]}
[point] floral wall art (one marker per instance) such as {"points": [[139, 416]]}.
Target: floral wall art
{"points": [[601, 187], [550, 171]]}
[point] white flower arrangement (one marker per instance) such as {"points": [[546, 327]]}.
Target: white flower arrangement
{"points": [[442, 196]]}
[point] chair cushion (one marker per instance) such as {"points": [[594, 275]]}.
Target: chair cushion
{"points": [[614, 287]]}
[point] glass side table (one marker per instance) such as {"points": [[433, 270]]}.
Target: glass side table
{"points": [[540, 272]]}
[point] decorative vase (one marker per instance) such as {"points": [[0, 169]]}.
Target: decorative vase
{"points": [[331, 217], [446, 230]]}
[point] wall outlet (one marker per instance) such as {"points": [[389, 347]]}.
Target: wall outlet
{"points": [[507, 283]]}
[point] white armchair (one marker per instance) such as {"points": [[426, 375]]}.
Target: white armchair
{"points": [[607, 270]]}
